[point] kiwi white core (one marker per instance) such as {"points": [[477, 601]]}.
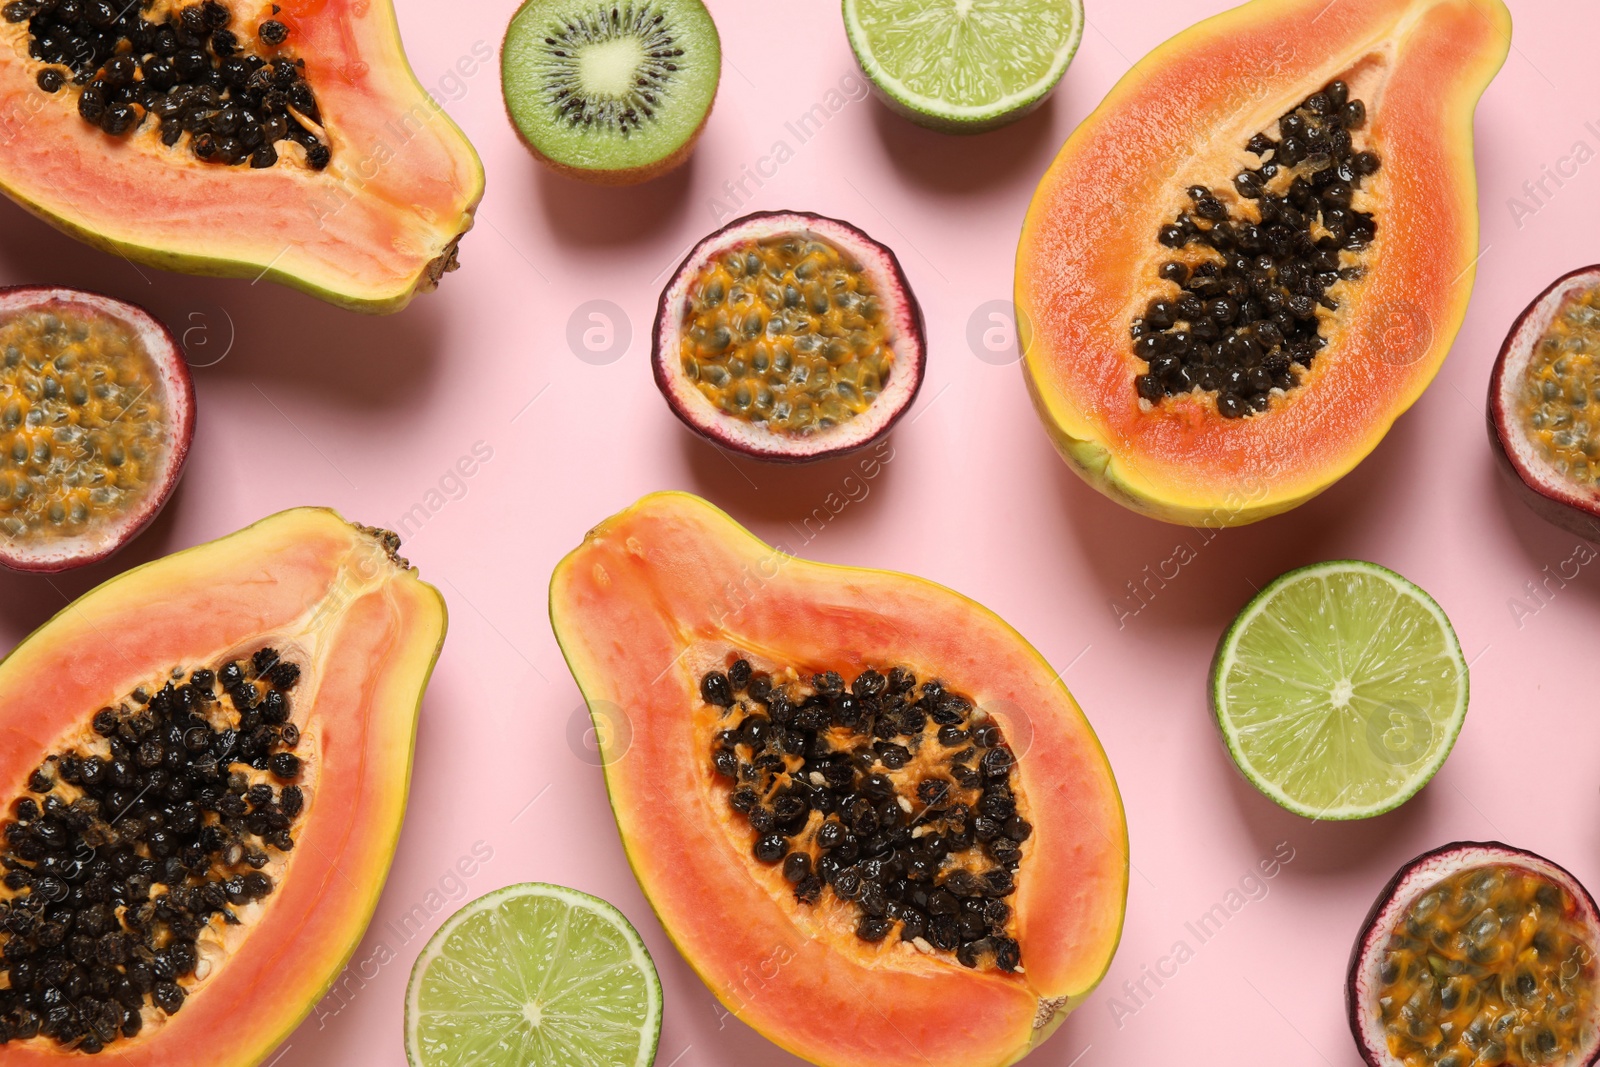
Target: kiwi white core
{"points": [[606, 69]]}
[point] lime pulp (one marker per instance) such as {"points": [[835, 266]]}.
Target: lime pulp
{"points": [[534, 975], [964, 64], [1340, 690]]}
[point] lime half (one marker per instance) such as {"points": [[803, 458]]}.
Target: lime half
{"points": [[1340, 690], [534, 975], [964, 65]]}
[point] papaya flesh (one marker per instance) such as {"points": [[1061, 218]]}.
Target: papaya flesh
{"points": [[674, 621], [365, 209], [353, 635], [1168, 145]]}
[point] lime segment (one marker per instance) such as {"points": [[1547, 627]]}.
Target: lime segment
{"points": [[964, 63], [534, 975], [1340, 690]]}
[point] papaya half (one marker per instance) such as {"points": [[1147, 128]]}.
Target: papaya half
{"points": [[205, 762], [1253, 256], [867, 812], [242, 138]]}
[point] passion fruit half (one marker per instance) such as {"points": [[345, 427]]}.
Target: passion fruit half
{"points": [[96, 417], [1477, 953], [1544, 403], [789, 337]]}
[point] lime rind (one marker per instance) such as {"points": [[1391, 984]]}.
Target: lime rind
{"points": [[534, 975], [1340, 690], [964, 66]]}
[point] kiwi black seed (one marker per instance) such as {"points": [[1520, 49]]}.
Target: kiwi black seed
{"points": [[612, 91], [852, 791]]}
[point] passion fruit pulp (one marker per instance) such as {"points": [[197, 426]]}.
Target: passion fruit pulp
{"points": [[96, 418], [790, 337], [1477, 953], [1544, 403]]}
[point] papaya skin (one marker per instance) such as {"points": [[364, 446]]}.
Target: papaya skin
{"points": [[380, 224], [656, 594], [370, 632], [1086, 260]]}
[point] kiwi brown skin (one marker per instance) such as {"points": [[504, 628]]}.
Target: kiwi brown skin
{"points": [[618, 177]]}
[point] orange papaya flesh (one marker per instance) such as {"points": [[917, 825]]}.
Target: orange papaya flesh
{"points": [[1090, 256], [379, 222], [665, 593], [356, 634]]}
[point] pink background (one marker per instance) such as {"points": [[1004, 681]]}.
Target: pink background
{"points": [[311, 405]]}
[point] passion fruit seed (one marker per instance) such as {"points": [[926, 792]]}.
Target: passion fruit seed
{"points": [[1488, 965], [129, 847], [81, 422], [191, 71], [1240, 314], [786, 331], [1561, 379], [927, 841]]}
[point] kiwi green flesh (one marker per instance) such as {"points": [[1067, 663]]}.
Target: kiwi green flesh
{"points": [[601, 88]]}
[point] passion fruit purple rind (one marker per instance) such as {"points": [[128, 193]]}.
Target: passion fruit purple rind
{"points": [[789, 337], [1544, 403], [96, 419], [1474, 953]]}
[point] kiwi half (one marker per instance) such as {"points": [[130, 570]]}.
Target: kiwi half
{"points": [[611, 91]]}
